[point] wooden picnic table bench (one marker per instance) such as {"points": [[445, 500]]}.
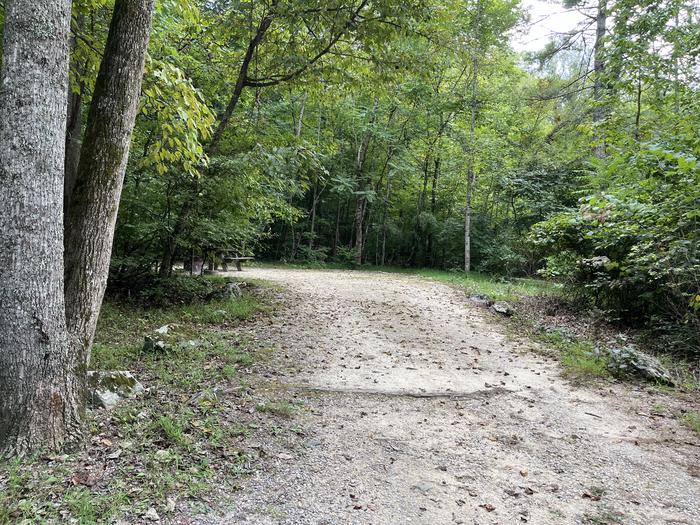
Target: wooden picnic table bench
{"points": [[237, 260]]}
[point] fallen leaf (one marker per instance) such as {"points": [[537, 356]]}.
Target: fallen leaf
{"points": [[488, 507]]}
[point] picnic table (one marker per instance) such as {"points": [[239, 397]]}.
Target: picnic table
{"points": [[235, 259]]}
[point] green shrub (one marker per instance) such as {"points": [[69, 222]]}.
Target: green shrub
{"points": [[156, 291], [633, 250]]}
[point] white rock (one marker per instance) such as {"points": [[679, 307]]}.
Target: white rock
{"points": [[152, 515]]}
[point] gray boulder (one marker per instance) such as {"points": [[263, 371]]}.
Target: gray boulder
{"points": [[107, 388], [502, 308], [481, 299], [232, 291], [629, 362]]}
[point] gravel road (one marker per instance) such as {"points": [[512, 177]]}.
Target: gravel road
{"points": [[419, 408]]}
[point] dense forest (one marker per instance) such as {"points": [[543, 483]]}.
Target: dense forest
{"points": [[364, 132], [413, 134]]}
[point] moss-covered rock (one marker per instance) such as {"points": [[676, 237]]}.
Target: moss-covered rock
{"points": [[107, 388]]}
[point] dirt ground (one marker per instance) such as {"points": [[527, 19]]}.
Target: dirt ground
{"points": [[419, 408]]}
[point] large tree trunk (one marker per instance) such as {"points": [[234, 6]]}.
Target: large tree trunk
{"points": [[39, 400], [103, 159]]}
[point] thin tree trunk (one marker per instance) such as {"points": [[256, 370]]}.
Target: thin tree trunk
{"points": [[336, 238], [638, 113], [368, 223], [599, 111], [387, 198], [74, 132], [314, 204], [433, 201], [40, 406], [472, 152], [74, 135], [253, 44], [419, 209], [361, 200], [300, 122], [359, 239], [103, 159]]}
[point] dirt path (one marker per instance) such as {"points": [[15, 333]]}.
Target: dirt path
{"points": [[419, 409]]}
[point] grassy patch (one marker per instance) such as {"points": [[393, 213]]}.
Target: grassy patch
{"points": [[180, 442], [122, 327], [279, 408], [495, 288], [685, 375], [604, 516], [692, 421], [579, 357]]}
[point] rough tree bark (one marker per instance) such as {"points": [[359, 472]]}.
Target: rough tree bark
{"points": [[105, 151], [39, 399]]}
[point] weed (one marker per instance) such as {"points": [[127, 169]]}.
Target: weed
{"points": [[579, 357], [692, 421], [228, 372], [173, 431], [604, 516], [279, 408]]}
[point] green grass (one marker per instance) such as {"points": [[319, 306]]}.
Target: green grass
{"points": [[495, 288], [173, 430], [167, 444], [579, 357], [121, 327], [279, 408], [692, 421]]}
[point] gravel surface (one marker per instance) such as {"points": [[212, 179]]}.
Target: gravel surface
{"points": [[418, 408]]}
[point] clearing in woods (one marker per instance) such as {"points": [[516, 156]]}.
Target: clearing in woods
{"points": [[420, 409]]}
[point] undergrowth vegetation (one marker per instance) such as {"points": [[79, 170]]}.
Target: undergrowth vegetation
{"points": [[182, 444]]}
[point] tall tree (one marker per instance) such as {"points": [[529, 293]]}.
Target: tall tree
{"points": [[472, 141], [52, 306], [104, 154], [362, 183], [39, 399]]}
